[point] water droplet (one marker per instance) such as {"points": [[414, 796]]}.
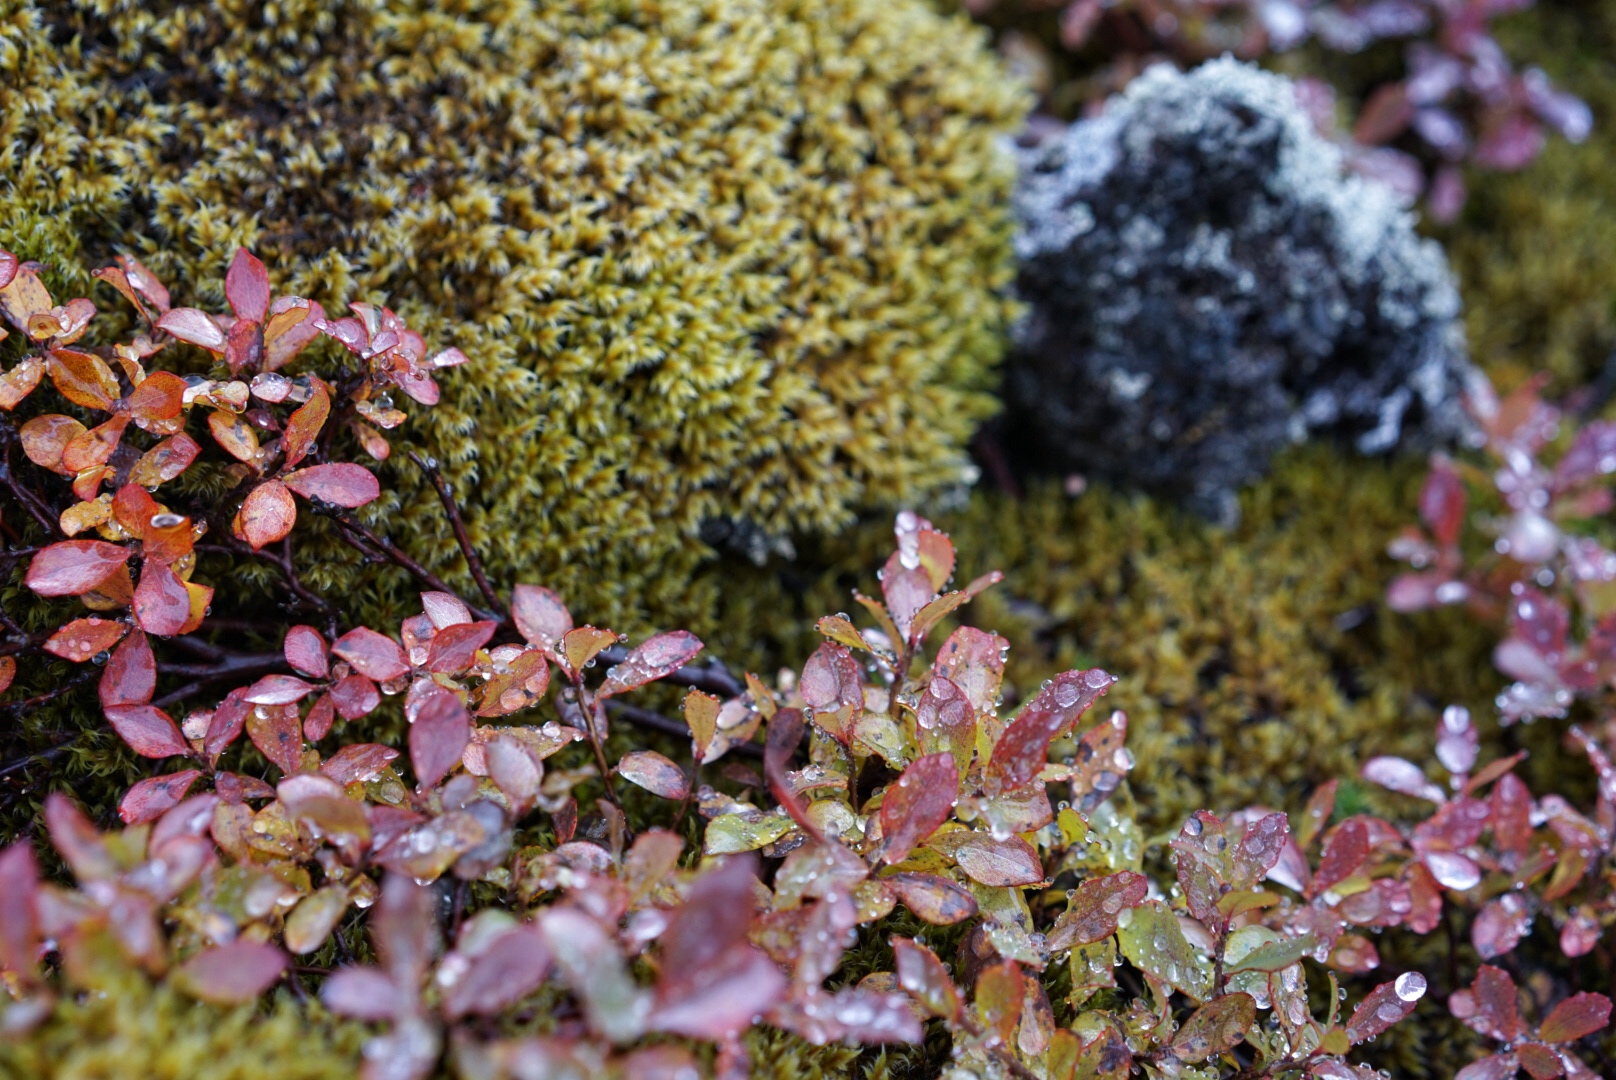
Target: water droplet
{"points": [[1410, 986]]}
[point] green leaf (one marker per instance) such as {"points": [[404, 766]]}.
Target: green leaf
{"points": [[1153, 943]]}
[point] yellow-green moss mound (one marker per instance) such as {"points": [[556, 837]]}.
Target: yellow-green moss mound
{"points": [[712, 259]]}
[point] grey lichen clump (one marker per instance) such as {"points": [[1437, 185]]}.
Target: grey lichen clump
{"points": [[1207, 285]]}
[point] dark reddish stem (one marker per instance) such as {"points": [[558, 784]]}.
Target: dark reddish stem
{"points": [[452, 508]]}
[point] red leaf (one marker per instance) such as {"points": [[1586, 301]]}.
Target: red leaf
{"points": [[231, 974], [195, 327], [362, 993], [341, 484], [227, 723], [454, 648], [360, 761], [279, 690], [246, 286], [160, 396], [914, 805], [19, 929], [165, 461], [267, 514], [973, 660], [318, 723], [75, 837], [148, 731], [74, 567], [1095, 908], [1385, 1005], [278, 733], [149, 799], [652, 659], [373, 655], [655, 773], [444, 609], [1542, 1062], [1023, 749], [1576, 1016], [162, 603], [82, 639], [923, 975], [439, 735], [355, 696], [832, 684], [130, 677], [305, 651], [541, 617], [1346, 851], [784, 735], [304, 425], [1215, 1028], [1511, 812], [1491, 1005], [1402, 776], [1500, 925], [8, 671]]}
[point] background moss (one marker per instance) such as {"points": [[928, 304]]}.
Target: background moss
{"points": [[713, 259]]}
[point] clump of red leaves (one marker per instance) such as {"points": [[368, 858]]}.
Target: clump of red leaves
{"points": [[889, 778]]}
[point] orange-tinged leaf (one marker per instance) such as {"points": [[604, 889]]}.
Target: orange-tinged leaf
{"points": [[655, 773], [1215, 1028], [94, 447], [74, 567], [1023, 749], [159, 396], [19, 382], [88, 482], [167, 538], [234, 435], [24, 296], [701, 714], [151, 798], [933, 898], [83, 379], [923, 975], [1008, 862], [1000, 993], [916, 803], [277, 731], [86, 515], [1102, 761], [374, 442], [165, 461], [267, 515], [133, 508], [231, 974], [582, 645], [201, 598], [1096, 907], [973, 660], [148, 731], [304, 426], [82, 639], [44, 438], [293, 323], [8, 671], [359, 761], [341, 484]]}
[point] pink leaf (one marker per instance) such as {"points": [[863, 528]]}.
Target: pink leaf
{"points": [[1096, 907], [305, 651], [246, 286], [454, 648], [359, 761], [1575, 1017], [362, 993], [278, 734], [195, 327], [511, 966], [653, 659], [1023, 749], [1490, 1006], [1385, 1005], [162, 602], [441, 730], [74, 567], [341, 484], [148, 731], [1402, 776], [444, 609], [355, 696], [151, 798], [130, 677], [541, 617], [232, 974], [373, 655]]}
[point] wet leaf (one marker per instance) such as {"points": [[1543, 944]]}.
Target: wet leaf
{"points": [[937, 610], [701, 714], [246, 286], [74, 567], [1500, 925], [655, 658], [540, 616], [1344, 854], [1575, 1017], [1384, 1006], [510, 967], [734, 833], [277, 731], [148, 731], [165, 461], [20, 381], [923, 975], [231, 974], [151, 798], [234, 435], [915, 804], [454, 648], [373, 655], [162, 602], [1000, 994], [1100, 763], [8, 672], [1215, 1028], [832, 685], [340, 484], [358, 761], [82, 639], [441, 730], [83, 379], [1491, 1004], [1023, 749], [355, 696], [45, 439], [304, 649], [227, 723], [267, 515], [130, 677], [655, 773], [1096, 907], [1153, 942], [973, 660], [1275, 955], [363, 993], [316, 915], [516, 771], [932, 897], [1402, 776], [580, 646], [593, 966], [1008, 862], [160, 396]]}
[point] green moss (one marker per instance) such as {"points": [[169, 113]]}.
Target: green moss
{"points": [[712, 259], [131, 1028]]}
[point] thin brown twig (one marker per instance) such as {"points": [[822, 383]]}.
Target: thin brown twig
{"points": [[447, 497], [350, 527]]}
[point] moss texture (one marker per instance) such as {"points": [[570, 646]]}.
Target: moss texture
{"points": [[130, 1028], [713, 259]]}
